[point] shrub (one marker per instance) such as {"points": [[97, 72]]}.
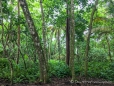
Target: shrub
{"points": [[110, 72], [97, 54], [4, 68], [27, 75], [4, 63], [58, 69]]}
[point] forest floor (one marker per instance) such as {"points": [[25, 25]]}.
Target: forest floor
{"points": [[62, 82]]}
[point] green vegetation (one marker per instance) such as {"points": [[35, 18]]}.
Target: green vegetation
{"points": [[101, 70], [45, 39]]}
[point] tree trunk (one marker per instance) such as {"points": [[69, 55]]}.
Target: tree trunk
{"points": [[58, 38], [0, 12], [67, 35], [11, 71], [36, 39], [44, 33], [88, 38], [43, 28], [2, 35], [72, 40], [109, 53], [18, 35]]}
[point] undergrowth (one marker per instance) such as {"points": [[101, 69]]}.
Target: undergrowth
{"points": [[59, 69]]}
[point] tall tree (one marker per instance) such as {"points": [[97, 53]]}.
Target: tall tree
{"points": [[88, 37], [72, 39], [18, 34], [67, 34], [36, 39], [43, 29]]}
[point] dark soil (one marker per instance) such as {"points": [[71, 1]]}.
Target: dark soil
{"points": [[62, 82]]}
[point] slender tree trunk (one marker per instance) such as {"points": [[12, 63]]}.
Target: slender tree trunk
{"points": [[67, 34], [11, 71], [58, 38], [72, 40], [1, 23], [0, 12], [2, 35], [43, 28], [88, 38], [50, 44], [109, 53], [18, 35], [49, 53], [44, 34], [37, 42]]}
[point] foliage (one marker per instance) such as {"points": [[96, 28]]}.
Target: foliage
{"points": [[102, 70], [80, 27], [58, 69], [109, 72], [4, 68], [20, 74], [97, 54], [28, 74], [96, 68], [55, 19], [4, 63]]}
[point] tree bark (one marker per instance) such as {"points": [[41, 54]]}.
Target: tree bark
{"points": [[44, 34], [43, 28], [36, 39], [18, 35], [58, 38], [67, 34], [88, 38], [72, 40]]}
